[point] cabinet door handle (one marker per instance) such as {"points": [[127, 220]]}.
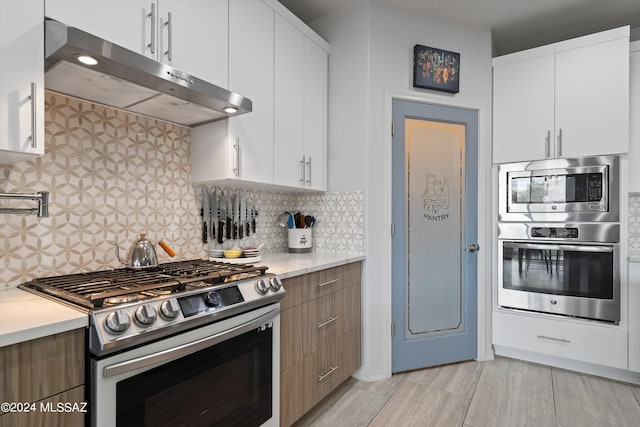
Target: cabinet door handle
{"points": [[320, 285], [309, 172], [34, 122], [560, 143], [331, 319], [169, 36], [548, 152], [302, 171], [564, 340], [236, 170], [152, 15], [331, 371]]}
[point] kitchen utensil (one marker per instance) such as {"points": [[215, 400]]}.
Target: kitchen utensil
{"points": [[296, 220], [309, 220], [291, 221], [301, 223], [222, 213], [283, 220], [206, 213], [228, 215], [142, 253], [242, 215], [213, 218], [254, 214], [236, 214]]}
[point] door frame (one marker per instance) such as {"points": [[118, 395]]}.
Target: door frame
{"points": [[485, 200]]}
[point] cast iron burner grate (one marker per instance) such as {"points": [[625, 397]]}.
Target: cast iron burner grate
{"points": [[112, 287]]}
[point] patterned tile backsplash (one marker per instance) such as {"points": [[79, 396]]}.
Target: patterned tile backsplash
{"points": [[112, 175]]}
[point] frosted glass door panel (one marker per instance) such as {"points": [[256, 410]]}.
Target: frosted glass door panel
{"points": [[434, 187]]}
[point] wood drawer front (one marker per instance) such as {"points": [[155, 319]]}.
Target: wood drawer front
{"points": [[50, 419], [326, 320], [293, 342], [296, 393], [323, 371], [40, 368], [294, 291], [600, 344], [324, 282], [350, 355], [355, 273], [353, 307]]}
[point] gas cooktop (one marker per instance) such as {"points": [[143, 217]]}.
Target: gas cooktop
{"points": [[128, 307]]}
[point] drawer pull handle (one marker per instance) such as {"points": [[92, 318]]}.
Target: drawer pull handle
{"points": [[331, 319], [330, 282], [564, 340], [331, 371]]}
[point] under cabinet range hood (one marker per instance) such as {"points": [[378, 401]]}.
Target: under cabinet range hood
{"points": [[130, 81]]}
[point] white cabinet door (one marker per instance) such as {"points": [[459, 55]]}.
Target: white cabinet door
{"points": [[127, 23], [199, 37], [251, 75], [315, 115], [634, 316], [21, 80], [288, 106], [634, 114], [523, 112], [592, 99]]}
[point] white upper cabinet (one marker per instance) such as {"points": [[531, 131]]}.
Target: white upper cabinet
{"points": [[300, 144], [288, 108], [634, 125], [21, 80], [191, 35], [569, 99], [241, 148]]}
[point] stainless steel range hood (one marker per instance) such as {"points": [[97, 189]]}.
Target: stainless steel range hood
{"points": [[130, 81]]}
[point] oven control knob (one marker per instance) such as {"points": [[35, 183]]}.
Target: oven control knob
{"points": [[275, 283], [117, 321], [212, 299], [169, 309], [262, 287], [146, 315]]}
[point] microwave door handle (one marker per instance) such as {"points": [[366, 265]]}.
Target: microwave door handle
{"points": [[574, 248]]}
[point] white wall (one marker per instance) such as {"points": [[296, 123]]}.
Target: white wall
{"points": [[371, 61]]}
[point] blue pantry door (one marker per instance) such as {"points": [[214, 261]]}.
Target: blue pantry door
{"points": [[434, 270]]}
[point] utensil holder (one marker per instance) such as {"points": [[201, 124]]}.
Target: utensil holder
{"points": [[300, 240]]}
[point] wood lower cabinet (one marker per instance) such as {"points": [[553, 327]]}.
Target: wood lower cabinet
{"points": [[320, 333], [43, 373]]}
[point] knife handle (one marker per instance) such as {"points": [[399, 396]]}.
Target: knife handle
{"points": [[235, 230], [220, 236], [241, 231], [205, 231], [247, 224], [253, 225], [228, 228]]}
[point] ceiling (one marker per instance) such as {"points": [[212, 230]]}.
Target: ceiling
{"points": [[514, 24]]}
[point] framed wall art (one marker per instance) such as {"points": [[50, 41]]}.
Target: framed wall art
{"points": [[436, 69]]}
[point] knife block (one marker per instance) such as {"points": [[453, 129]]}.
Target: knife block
{"points": [[300, 240]]}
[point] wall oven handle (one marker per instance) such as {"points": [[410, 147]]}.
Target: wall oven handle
{"points": [[576, 248], [186, 349]]}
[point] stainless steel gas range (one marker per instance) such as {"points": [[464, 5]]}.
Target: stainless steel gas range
{"points": [[187, 343]]}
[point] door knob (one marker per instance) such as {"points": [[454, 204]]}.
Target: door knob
{"points": [[474, 247]]}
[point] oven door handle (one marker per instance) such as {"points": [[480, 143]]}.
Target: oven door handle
{"points": [[574, 248], [186, 349]]}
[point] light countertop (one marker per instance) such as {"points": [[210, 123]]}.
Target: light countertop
{"points": [[25, 316], [287, 265]]}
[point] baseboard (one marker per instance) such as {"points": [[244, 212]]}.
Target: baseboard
{"points": [[568, 364]]}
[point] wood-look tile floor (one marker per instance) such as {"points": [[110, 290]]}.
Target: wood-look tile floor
{"points": [[503, 392]]}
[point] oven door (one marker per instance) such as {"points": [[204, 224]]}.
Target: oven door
{"points": [[225, 373], [579, 280]]}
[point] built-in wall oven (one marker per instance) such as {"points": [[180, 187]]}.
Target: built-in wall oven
{"points": [[568, 269], [559, 237]]}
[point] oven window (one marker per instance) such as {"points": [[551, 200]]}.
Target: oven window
{"points": [[229, 384], [549, 269]]}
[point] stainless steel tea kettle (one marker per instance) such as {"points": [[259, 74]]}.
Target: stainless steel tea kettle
{"points": [[142, 253]]}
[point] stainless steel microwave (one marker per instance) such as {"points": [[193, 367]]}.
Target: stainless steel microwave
{"points": [[581, 189]]}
